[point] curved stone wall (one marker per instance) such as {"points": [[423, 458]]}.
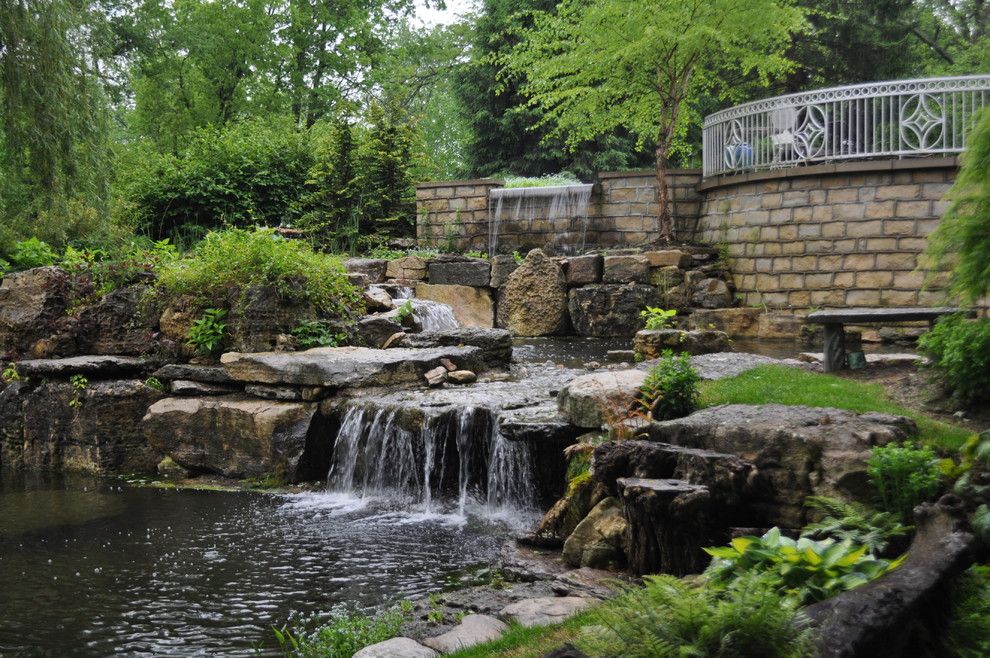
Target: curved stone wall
{"points": [[829, 235]]}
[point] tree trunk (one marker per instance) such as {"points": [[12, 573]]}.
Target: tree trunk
{"points": [[665, 221]]}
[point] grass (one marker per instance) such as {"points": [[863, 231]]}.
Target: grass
{"points": [[791, 386], [550, 180], [522, 642]]}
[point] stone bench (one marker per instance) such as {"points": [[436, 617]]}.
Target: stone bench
{"points": [[834, 321]]}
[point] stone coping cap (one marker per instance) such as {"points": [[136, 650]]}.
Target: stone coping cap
{"points": [[461, 183], [862, 166], [903, 314], [646, 173]]}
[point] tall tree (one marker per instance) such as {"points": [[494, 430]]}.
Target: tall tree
{"points": [[595, 67]]}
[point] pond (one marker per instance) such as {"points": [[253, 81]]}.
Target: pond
{"points": [[95, 567]]}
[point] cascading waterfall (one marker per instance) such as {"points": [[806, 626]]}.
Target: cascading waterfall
{"points": [[376, 454], [527, 204], [433, 316]]}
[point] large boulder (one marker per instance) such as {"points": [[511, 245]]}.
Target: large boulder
{"points": [[346, 367], [598, 540], [565, 515], [741, 322], [124, 321], [533, 302], [30, 303], [474, 272], [261, 315], [625, 269], [610, 310], [374, 330], [236, 436], [94, 427], [711, 293], [591, 400], [651, 343], [798, 451], [472, 306]]}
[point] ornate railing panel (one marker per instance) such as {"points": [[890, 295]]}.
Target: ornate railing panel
{"points": [[881, 119]]}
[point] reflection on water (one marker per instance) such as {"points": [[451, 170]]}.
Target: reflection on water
{"points": [[93, 569]]}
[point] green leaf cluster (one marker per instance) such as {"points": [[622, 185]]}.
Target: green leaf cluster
{"points": [[904, 476], [346, 633], [318, 333], [853, 523], [960, 352], [670, 389], [805, 569], [658, 318], [207, 333], [669, 618]]}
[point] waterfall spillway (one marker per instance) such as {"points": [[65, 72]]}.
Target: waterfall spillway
{"points": [[457, 457], [433, 316], [565, 207]]}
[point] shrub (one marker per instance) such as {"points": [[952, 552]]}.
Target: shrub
{"points": [[657, 318], [206, 334], [844, 521], [805, 569], [671, 387], [237, 259], [903, 476], [347, 633], [670, 618], [967, 634], [97, 271], [960, 352], [32, 253]]}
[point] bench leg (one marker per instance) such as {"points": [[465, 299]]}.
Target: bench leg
{"points": [[835, 347]]}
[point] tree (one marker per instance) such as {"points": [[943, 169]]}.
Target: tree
{"points": [[961, 243], [597, 66]]}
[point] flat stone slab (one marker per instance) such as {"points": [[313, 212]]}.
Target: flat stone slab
{"points": [[190, 387], [546, 610], [870, 315], [345, 367], [188, 371], [721, 365], [473, 629], [590, 583], [94, 366], [397, 647], [904, 358]]}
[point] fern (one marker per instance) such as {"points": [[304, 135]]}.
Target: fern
{"points": [[842, 521]]}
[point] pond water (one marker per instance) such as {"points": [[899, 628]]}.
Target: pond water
{"points": [[94, 567]]}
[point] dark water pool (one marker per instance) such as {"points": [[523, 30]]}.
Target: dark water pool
{"points": [[91, 567]]}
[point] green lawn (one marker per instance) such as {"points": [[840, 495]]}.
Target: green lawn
{"points": [[792, 386]]}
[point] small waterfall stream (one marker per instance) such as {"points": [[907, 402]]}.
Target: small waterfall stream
{"points": [[452, 457], [433, 316], [528, 204]]}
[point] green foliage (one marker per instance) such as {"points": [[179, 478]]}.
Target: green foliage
{"points": [[657, 318], [904, 476], [804, 569], [78, 383], [645, 73], [237, 259], [155, 384], [207, 333], [345, 634], [32, 253], [10, 373], [670, 389], [853, 523], [668, 618], [318, 333], [793, 386], [967, 634], [961, 242], [550, 180], [960, 353], [404, 311], [96, 272], [248, 173], [518, 257]]}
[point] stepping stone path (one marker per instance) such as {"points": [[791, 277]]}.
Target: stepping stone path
{"points": [[473, 629], [547, 610]]}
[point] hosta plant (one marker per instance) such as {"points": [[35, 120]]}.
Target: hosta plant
{"points": [[805, 569]]}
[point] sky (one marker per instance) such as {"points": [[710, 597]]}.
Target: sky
{"points": [[442, 17]]}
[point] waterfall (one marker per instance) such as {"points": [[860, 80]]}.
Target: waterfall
{"points": [[528, 204], [433, 316], [459, 453]]}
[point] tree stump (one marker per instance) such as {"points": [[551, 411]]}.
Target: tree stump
{"points": [[669, 524]]}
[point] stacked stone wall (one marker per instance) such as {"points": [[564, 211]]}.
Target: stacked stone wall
{"points": [[453, 215], [830, 235]]}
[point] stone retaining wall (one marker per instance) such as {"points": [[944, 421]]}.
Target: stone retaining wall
{"points": [[830, 235], [849, 234]]}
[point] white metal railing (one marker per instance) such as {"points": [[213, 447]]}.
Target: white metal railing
{"points": [[924, 117]]}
